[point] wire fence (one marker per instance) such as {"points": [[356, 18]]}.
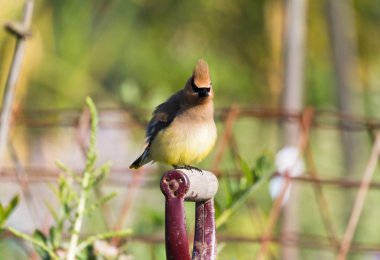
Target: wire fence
{"points": [[127, 119]]}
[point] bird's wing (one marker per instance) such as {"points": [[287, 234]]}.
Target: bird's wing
{"points": [[163, 115]]}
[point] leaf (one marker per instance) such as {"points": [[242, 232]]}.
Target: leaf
{"points": [[6, 211], [64, 168], [14, 203], [103, 169], [55, 236], [107, 197], [2, 221], [264, 164], [248, 173], [11, 206], [66, 209], [1, 210], [228, 193], [97, 179], [100, 202], [91, 153], [38, 235]]}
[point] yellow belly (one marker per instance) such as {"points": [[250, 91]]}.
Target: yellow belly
{"points": [[183, 144]]}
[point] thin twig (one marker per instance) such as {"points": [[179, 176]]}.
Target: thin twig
{"points": [[226, 137], [14, 73], [128, 202], [273, 217], [307, 120], [321, 200], [360, 199], [23, 180]]}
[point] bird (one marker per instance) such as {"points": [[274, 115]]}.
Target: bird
{"points": [[182, 130]]}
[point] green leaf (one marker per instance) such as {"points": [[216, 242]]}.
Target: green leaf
{"points": [[91, 153], [99, 174], [264, 164], [1, 210], [14, 203], [96, 180], [64, 168], [66, 209], [55, 236], [100, 202], [248, 174], [38, 235], [41, 238], [228, 193], [107, 197], [5, 212]]}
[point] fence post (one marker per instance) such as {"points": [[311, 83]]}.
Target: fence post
{"points": [[199, 187]]}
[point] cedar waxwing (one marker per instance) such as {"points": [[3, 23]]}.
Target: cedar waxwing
{"points": [[182, 130]]}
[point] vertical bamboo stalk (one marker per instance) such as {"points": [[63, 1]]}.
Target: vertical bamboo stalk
{"points": [[292, 99], [20, 31], [342, 40]]}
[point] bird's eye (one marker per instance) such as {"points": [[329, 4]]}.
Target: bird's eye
{"points": [[195, 88]]}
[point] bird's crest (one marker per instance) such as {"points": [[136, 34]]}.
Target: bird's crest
{"points": [[201, 74]]}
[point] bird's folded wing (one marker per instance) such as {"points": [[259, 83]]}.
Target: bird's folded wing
{"points": [[163, 115]]}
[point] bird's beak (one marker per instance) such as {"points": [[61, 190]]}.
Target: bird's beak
{"points": [[203, 93]]}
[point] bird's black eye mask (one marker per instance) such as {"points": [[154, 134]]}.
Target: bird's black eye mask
{"points": [[197, 90]]}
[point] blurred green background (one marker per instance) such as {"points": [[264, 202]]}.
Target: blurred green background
{"points": [[135, 53]]}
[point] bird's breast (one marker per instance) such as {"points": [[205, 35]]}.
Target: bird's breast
{"points": [[184, 142]]}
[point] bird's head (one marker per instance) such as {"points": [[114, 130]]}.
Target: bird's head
{"points": [[198, 87]]}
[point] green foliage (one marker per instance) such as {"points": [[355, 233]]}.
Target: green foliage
{"points": [[73, 192], [5, 211], [250, 181]]}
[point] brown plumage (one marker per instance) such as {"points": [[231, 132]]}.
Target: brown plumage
{"points": [[182, 129]]}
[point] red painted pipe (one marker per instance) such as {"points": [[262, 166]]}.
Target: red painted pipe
{"points": [[174, 186], [204, 238]]}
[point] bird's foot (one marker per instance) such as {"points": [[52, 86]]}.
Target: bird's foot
{"points": [[187, 167]]}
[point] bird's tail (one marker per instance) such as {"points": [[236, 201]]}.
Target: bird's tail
{"points": [[143, 159]]}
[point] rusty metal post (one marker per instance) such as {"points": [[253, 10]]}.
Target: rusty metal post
{"points": [[194, 186], [204, 235]]}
